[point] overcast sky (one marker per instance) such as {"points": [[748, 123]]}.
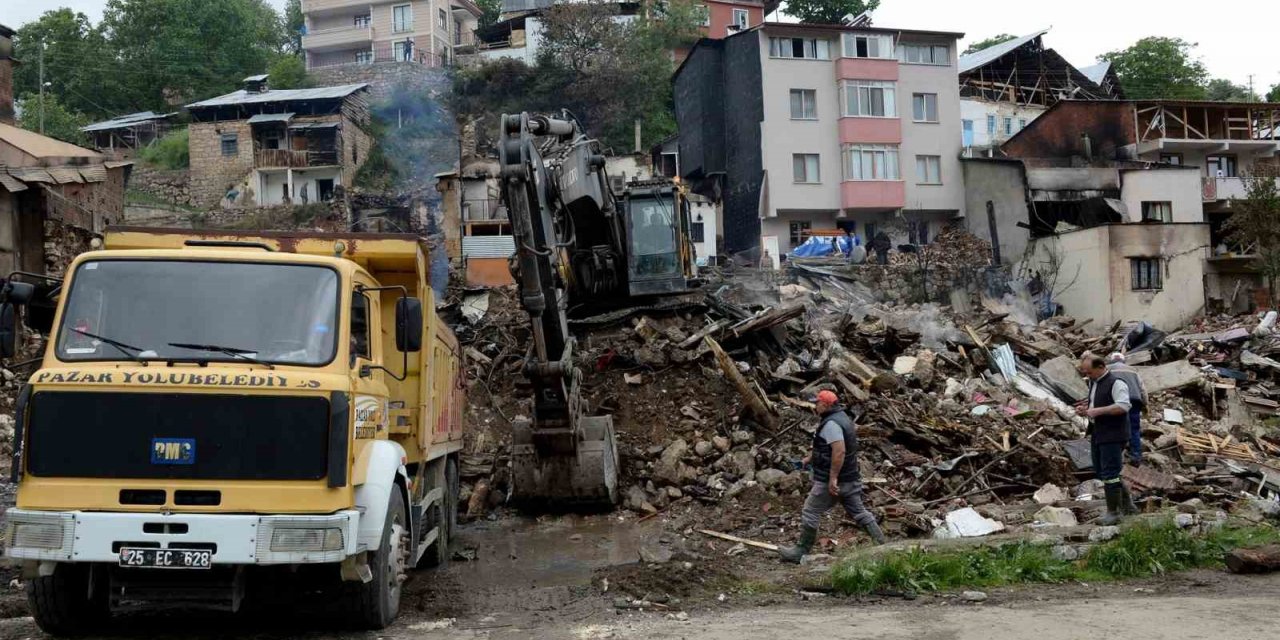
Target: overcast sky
{"points": [[1231, 35]]}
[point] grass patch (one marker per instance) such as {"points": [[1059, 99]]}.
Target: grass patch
{"points": [[1141, 549], [144, 199], [169, 152]]}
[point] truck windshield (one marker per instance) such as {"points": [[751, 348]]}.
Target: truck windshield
{"points": [[653, 235], [278, 313]]}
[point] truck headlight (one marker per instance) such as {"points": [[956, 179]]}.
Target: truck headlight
{"points": [[36, 535], [306, 539]]}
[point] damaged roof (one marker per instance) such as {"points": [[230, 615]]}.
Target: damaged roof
{"points": [[124, 122], [280, 95], [1096, 72], [972, 61], [38, 146]]}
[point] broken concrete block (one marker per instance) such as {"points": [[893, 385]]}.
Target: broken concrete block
{"points": [[1061, 371], [655, 554], [1173, 375], [974, 596], [670, 469], [739, 463], [1089, 489], [742, 437], [1057, 517], [770, 477], [967, 523], [721, 443], [1049, 494], [904, 365], [703, 448], [1185, 520], [633, 378], [1065, 552], [1103, 534]]}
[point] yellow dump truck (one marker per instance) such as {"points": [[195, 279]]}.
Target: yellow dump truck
{"points": [[216, 411]]}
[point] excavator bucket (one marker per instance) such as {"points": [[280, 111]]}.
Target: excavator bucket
{"points": [[585, 478]]}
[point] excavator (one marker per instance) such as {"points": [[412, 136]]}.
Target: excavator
{"points": [[578, 245]]}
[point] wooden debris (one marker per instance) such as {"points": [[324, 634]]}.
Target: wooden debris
{"points": [[731, 538], [1259, 560], [1208, 444], [755, 402]]}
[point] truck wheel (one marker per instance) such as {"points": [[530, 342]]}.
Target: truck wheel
{"points": [[61, 605], [377, 602]]}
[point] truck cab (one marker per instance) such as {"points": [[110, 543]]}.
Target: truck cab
{"points": [[212, 408]]}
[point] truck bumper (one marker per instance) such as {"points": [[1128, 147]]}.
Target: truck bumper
{"points": [[93, 536]]}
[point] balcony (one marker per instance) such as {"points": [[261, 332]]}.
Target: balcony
{"points": [[318, 6], [289, 158], [873, 194], [337, 37], [1215, 189]]}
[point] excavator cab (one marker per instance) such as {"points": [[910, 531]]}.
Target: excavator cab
{"points": [[659, 257]]}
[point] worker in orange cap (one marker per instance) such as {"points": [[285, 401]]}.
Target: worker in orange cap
{"points": [[835, 476]]}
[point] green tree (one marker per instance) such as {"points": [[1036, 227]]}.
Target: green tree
{"points": [[1254, 225], [1274, 94], [1227, 91], [988, 42], [293, 24], [176, 51], [59, 121], [78, 63], [288, 71], [828, 11], [491, 9], [1159, 68]]}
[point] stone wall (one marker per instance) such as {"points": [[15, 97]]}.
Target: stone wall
{"points": [[383, 78], [909, 283], [213, 174], [317, 216], [171, 186]]}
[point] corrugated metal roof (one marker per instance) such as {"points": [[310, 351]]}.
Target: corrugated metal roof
{"points": [[65, 175], [270, 117], [93, 173], [32, 174], [1097, 72], [993, 53], [258, 78], [280, 95], [488, 246], [114, 164], [12, 184], [314, 125], [36, 145], [124, 122]]}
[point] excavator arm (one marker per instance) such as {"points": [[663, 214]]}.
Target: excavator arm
{"points": [[556, 195]]}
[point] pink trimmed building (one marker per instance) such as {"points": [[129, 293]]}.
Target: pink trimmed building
{"points": [[795, 128]]}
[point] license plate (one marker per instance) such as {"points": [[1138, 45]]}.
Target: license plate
{"points": [[166, 558]]}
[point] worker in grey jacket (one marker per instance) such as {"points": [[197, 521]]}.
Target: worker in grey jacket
{"points": [[1137, 398]]}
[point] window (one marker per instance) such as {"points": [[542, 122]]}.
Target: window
{"points": [[868, 46], [705, 13], [924, 107], [938, 54], [869, 98], [443, 17], [230, 144], [810, 48], [804, 104], [1157, 211], [1008, 126], [364, 57], [741, 18], [401, 18], [804, 167], [871, 162], [697, 232], [1146, 274], [799, 232], [1022, 124], [359, 326], [361, 21], [929, 169], [1220, 166], [991, 125], [918, 233], [1171, 158]]}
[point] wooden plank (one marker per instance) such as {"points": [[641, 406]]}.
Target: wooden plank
{"points": [[758, 406], [732, 538]]}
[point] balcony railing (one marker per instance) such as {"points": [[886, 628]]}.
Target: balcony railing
{"points": [[337, 36], [483, 210], [377, 54], [1212, 189], [269, 158]]}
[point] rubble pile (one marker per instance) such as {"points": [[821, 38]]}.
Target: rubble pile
{"points": [[966, 424]]}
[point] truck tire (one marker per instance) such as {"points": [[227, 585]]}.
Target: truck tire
{"points": [[61, 605], [376, 603]]}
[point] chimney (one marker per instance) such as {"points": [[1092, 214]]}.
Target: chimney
{"points": [[1088, 147], [6, 75], [255, 84]]}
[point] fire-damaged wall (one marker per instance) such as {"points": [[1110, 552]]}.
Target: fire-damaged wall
{"points": [[719, 108], [1058, 134]]}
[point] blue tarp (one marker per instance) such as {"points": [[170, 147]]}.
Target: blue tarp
{"points": [[818, 246]]}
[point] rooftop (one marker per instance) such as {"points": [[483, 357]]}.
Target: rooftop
{"points": [[124, 122], [1097, 72], [971, 61], [279, 95], [36, 145], [840, 27]]}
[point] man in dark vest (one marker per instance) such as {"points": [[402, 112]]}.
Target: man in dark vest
{"points": [[1107, 408], [835, 476]]}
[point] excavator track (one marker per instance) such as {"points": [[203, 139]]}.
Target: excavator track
{"points": [[675, 303]]}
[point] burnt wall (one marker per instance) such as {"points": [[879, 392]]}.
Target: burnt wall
{"points": [[1057, 133]]}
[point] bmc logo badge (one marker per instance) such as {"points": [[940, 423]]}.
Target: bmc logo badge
{"points": [[173, 451]]}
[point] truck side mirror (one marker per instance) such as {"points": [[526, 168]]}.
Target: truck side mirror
{"points": [[8, 330], [409, 324]]}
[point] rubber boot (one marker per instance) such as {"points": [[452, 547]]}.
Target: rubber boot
{"points": [[1127, 506], [873, 530], [808, 536], [1114, 498]]}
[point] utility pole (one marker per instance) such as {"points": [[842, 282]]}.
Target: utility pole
{"points": [[42, 88], [1251, 94]]}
